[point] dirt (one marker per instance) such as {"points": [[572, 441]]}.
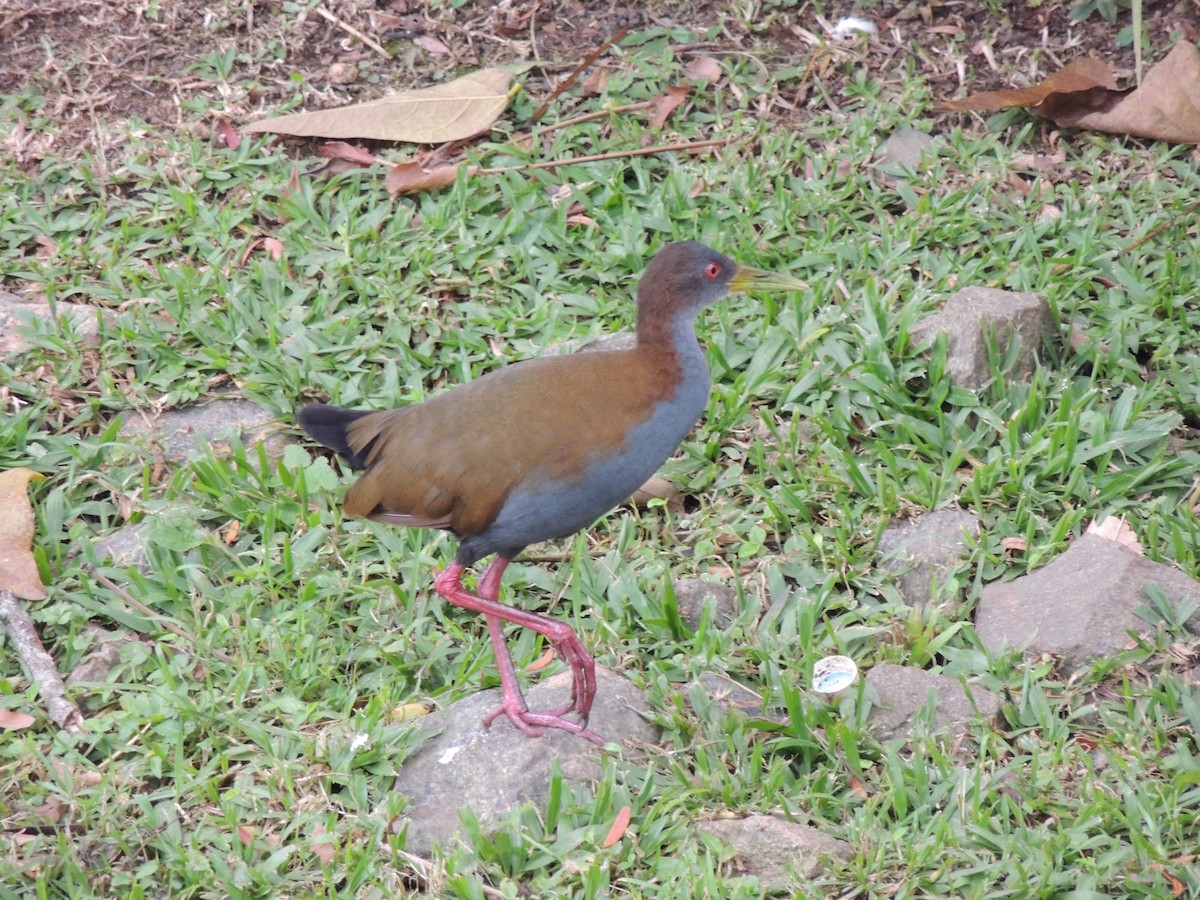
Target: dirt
{"points": [[87, 72]]}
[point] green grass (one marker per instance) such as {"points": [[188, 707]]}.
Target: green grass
{"points": [[211, 768]]}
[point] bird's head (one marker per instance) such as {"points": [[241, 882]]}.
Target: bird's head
{"points": [[687, 277]]}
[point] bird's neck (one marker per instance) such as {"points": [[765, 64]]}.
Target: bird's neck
{"points": [[672, 343]]}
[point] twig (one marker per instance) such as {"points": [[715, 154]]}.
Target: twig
{"points": [[157, 617], [1154, 232], [600, 114], [350, 29], [616, 154], [574, 76], [38, 664], [429, 872]]}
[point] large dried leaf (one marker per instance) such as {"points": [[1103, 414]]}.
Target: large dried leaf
{"points": [[1084, 95], [1078, 77], [1166, 107], [453, 111], [18, 571]]}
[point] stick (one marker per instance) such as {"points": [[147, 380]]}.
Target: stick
{"points": [[350, 29], [616, 154], [574, 76], [38, 664], [151, 614]]}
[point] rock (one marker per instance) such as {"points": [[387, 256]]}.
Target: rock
{"points": [[902, 695], [905, 152], [772, 849], [124, 547], [492, 770], [188, 432], [925, 551], [17, 312], [1080, 607], [694, 595], [974, 314]]}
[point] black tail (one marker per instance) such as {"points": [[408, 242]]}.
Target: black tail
{"points": [[327, 425]]}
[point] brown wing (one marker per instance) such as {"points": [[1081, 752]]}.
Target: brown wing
{"points": [[451, 461]]}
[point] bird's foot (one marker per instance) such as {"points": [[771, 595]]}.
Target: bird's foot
{"points": [[534, 723]]}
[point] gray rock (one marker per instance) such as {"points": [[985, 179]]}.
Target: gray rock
{"points": [[694, 595], [17, 312], [1080, 607], [124, 547], [925, 551], [902, 695], [492, 770], [974, 314], [187, 432], [906, 151], [773, 849]]}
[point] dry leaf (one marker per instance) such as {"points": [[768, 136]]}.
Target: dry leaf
{"points": [[229, 134], [1084, 94], [12, 720], [1018, 544], [340, 150], [452, 111], [703, 68], [658, 488], [665, 104], [542, 661], [596, 82], [1115, 528], [619, 826], [322, 849], [1166, 107], [431, 45], [18, 571], [411, 178], [1079, 76], [407, 712]]}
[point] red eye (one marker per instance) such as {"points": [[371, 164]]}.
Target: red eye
{"points": [[712, 270]]}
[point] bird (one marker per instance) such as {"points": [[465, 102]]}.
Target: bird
{"points": [[538, 450]]}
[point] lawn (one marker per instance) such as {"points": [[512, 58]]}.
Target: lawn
{"points": [[244, 741]]}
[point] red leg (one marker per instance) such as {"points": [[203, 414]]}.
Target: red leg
{"points": [[562, 638]]}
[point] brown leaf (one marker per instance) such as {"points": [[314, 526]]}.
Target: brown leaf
{"points": [[665, 104], [406, 712], [658, 488], [1115, 528], [1081, 75], [340, 150], [542, 661], [1014, 542], [619, 826], [1166, 107], [18, 571], [411, 178], [431, 45], [596, 82], [453, 111], [229, 134], [703, 68], [12, 720], [322, 849]]}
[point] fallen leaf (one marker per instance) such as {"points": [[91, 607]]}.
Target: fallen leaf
{"points": [[1165, 107], [323, 850], [245, 835], [857, 788], [229, 134], [665, 104], [232, 527], [407, 712], [1084, 94], [703, 68], [431, 45], [347, 153], [12, 720], [1018, 544], [658, 488], [542, 661], [18, 570], [1079, 76], [596, 82], [1115, 528], [453, 111], [619, 826], [412, 178]]}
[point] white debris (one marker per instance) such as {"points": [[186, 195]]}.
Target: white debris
{"points": [[849, 26]]}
